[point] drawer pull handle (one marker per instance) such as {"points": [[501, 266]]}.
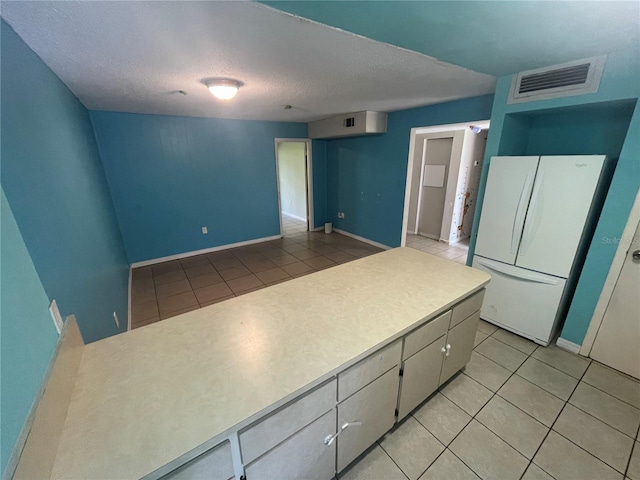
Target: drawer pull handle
{"points": [[328, 440], [446, 350]]}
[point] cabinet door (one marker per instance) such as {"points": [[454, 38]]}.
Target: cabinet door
{"points": [[421, 373], [374, 407], [304, 455], [460, 339], [215, 464]]}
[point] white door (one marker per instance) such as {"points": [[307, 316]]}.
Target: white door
{"points": [[437, 161], [504, 207], [617, 343], [560, 203]]}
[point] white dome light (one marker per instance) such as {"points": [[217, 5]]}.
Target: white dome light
{"points": [[223, 89]]}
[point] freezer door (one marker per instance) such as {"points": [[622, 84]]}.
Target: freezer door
{"points": [[519, 300], [562, 196], [504, 207]]}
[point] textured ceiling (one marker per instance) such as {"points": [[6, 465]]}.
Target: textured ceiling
{"points": [[493, 37], [136, 56]]}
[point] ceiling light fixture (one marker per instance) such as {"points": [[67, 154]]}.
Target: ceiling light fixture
{"points": [[223, 88]]}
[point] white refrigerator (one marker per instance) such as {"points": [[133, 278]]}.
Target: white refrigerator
{"points": [[534, 223]]}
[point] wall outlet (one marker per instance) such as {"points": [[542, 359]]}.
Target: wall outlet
{"points": [[205, 230], [115, 318], [55, 315], [340, 214]]}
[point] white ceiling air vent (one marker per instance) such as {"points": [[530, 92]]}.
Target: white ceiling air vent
{"points": [[572, 78], [349, 125]]}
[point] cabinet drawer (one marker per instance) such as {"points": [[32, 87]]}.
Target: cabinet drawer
{"points": [[421, 376], [461, 338], [302, 456], [373, 406], [364, 372], [267, 433], [467, 307], [215, 464], [424, 335]]}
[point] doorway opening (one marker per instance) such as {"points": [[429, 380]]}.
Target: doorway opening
{"points": [[295, 185], [443, 175]]}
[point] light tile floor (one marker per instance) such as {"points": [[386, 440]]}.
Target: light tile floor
{"points": [[457, 252], [517, 411]]}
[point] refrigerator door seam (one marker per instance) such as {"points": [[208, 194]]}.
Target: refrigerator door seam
{"points": [[518, 220], [531, 224]]}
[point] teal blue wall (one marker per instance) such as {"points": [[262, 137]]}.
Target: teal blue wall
{"points": [[366, 176], [171, 175], [27, 334], [55, 184], [604, 122]]}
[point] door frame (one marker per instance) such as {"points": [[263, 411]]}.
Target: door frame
{"points": [[612, 278], [484, 124], [308, 179]]}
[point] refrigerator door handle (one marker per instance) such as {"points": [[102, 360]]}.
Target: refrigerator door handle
{"points": [[507, 270], [533, 217], [518, 220]]}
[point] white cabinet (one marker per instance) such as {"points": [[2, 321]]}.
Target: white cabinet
{"points": [[304, 455], [459, 346], [370, 413], [215, 464]]}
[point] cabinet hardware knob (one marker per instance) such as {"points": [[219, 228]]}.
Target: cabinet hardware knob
{"points": [[448, 348], [328, 440]]}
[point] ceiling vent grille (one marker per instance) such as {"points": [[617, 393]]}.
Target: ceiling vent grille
{"points": [[573, 78]]}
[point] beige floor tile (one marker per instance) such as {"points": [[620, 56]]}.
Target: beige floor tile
{"points": [[486, 327], [633, 471], [169, 289], [169, 277], [468, 394], [176, 303], [320, 262], [568, 362], [448, 466], [502, 354], [488, 455], [260, 266], [166, 267], [461, 259], [480, 337], [534, 472], [486, 372], [375, 465], [553, 381], [324, 249], [566, 461], [532, 399], [512, 425], [449, 254], [272, 275], [141, 273], [285, 259], [515, 341], [614, 412], [206, 280], [596, 437], [443, 418], [195, 261], [199, 270], [411, 447], [293, 248], [298, 268], [245, 284], [613, 383], [362, 251], [235, 272], [142, 287], [209, 294], [305, 254], [272, 252], [144, 310]]}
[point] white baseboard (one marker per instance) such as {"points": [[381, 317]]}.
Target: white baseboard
{"points": [[362, 239], [317, 229], [291, 215], [193, 253], [567, 345]]}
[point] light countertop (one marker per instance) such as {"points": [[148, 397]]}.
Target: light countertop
{"points": [[148, 396]]}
